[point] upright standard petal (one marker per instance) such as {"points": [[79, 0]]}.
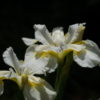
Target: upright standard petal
{"points": [[88, 57], [11, 59], [42, 34], [58, 36], [29, 41], [39, 90], [75, 33]]}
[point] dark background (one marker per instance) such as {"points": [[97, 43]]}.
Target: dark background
{"points": [[17, 20]]}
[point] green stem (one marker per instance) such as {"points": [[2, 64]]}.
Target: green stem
{"points": [[58, 75], [63, 72]]}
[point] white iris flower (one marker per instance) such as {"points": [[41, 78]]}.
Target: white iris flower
{"points": [[85, 52], [34, 88]]}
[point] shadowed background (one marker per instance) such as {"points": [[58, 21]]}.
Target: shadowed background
{"points": [[17, 20]]}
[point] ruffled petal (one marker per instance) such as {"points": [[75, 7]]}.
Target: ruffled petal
{"points": [[40, 65], [42, 34], [29, 41], [33, 50], [40, 90], [75, 33], [38, 49], [35, 66], [88, 57], [58, 36], [11, 59]]}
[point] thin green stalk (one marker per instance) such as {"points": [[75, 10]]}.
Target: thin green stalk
{"points": [[58, 74], [63, 76]]}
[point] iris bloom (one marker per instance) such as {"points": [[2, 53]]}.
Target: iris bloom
{"points": [[85, 52], [22, 72]]}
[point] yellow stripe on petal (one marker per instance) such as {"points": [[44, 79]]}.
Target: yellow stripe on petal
{"points": [[59, 56], [32, 80], [35, 84], [17, 81], [80, 43], [47, 54], [4, 74]]}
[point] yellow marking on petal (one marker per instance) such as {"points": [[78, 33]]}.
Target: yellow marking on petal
{"points": [[2, 78], [33, 84], [24, 78], [79, 42], [58, 55], [77, 52], [16, 81], [1, 82], [12, 79], [67, 51], [47, 54]]}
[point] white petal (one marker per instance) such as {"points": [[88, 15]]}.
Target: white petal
{"points": [[39, 65], [58, 36], [75, 33], [73, 47], [35, 66], [88, 57], [52, 65], [32, 64], [1, 87], [42, 34], [11, 59], [32, 50], [29, 41], [4, 74], [38, 91], [51, 94]]}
